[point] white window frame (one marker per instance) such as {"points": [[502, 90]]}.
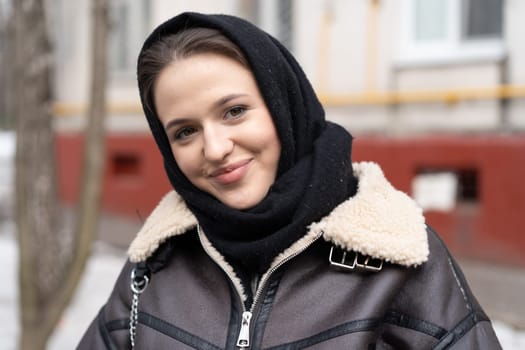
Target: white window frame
{"points": [[452, 49]]}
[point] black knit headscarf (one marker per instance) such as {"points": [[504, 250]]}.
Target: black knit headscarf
{"points": [[315, 170]]}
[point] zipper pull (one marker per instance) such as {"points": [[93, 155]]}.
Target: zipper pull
{"points": [[244, 334]]}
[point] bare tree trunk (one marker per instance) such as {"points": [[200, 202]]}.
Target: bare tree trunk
{"points": [[35, 170], [49, 268]]}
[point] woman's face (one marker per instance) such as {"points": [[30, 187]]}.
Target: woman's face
{"points": [[220, 130]]}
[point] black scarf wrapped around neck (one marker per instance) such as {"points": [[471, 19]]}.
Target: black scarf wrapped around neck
{"points": [[315, 169]]}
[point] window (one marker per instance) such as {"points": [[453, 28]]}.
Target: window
{"points": [[451, 30], [482, 19], [129, 27], [276, 18], [284, 32], [125, 164]]}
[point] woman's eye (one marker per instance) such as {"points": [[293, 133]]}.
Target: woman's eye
{"points": [[235, 112], [184, 133]]}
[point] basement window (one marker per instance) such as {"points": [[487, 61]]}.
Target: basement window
{"points": [[125, 164], [445, 189]]}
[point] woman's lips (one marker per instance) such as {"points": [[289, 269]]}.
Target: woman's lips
{"points": [[231, 173]]}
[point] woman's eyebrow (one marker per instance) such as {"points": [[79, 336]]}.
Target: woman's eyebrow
{"points": [[225, 99], [174, 122]]}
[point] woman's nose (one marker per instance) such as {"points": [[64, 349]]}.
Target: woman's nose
{"points": [[217, 144]]}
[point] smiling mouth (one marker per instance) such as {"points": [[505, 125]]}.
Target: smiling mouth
{"points": [[231, 173]]}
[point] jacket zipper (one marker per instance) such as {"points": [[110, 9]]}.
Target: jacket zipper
{"points": [[243, 340], [244, 334]]}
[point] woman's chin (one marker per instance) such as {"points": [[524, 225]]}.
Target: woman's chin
{"points": [[241, 202]]}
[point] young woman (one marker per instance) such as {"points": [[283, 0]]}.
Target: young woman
{"points": [[272, 238]]}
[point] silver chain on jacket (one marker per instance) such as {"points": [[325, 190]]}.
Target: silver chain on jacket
{"points": [[138, 285]]}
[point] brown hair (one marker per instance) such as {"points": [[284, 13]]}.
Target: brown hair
{"points": [[176, 46]]}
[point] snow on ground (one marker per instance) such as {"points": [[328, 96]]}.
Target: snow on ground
{"points": [[93, 290]]}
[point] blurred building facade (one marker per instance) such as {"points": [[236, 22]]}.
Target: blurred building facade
{"points": [[433, 90]]}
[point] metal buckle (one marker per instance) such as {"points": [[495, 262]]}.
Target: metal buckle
{"points": [[356, 261], [138, 282]]}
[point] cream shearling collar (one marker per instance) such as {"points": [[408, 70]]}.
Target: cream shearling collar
{"points": [[378, 221]]}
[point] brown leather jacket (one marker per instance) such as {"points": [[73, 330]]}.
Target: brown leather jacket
{"points": [[371, 275]]}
